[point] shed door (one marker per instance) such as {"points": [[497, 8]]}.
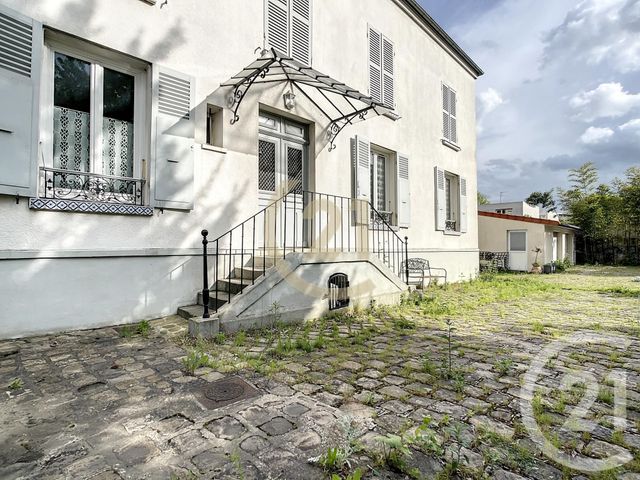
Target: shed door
{"points": [[518, 257]]}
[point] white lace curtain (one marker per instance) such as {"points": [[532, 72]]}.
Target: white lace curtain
{"points": [[71, 143], [71, 139]]}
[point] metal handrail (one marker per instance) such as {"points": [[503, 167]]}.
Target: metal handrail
{"points": [[390, 253]]}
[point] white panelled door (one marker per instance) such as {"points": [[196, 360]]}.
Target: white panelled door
{"points": [[282, 166], [518, 256]]}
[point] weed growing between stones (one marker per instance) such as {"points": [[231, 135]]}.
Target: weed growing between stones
{"points": [[16, 384], [194, 360]]}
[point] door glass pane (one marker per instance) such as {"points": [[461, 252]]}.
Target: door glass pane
{"points": [[518, 241], [381, 184], [448, 193], [294, 170], [267, 166], [71, 115], [117, 126]]}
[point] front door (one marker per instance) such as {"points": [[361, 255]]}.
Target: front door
{"points": [[518, 256], [282, 167]]}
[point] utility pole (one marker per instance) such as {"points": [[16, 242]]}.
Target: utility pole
{"points": [[501, 196]]}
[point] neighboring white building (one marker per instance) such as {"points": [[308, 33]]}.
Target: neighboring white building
{"points": [[117, 148], [520, 237], [522, 209]]}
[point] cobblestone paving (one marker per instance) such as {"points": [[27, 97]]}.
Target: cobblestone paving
{"points": [[102, 405]]}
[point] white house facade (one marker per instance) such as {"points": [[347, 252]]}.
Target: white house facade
{"points": [[128, 127]]}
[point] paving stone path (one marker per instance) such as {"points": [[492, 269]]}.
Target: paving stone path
{"points": [[112, 404]]}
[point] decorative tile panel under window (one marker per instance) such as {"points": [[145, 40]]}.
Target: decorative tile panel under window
{"points": [[95, 153]]}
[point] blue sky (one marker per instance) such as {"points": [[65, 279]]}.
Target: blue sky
{"points": [[561, 87]]}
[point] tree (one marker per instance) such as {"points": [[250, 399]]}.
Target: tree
{"points": [[483, 199], [542, 199], [584, 179]]}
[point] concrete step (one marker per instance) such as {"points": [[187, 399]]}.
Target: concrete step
{"points": [[234, 285], [247, 273], [190, 311], [223, 298]]}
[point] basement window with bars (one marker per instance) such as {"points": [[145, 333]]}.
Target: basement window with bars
{"points": [[338, 291]]}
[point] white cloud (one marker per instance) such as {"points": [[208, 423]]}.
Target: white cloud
{"points": [[632, 126], [599, 32], [595, 135], [607, 100], [489, 100]]}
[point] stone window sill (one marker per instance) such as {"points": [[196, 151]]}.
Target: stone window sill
{"points": [[451, 145], [213, 148]]}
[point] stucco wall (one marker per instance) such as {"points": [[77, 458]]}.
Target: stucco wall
{"points": [[213, 41]]}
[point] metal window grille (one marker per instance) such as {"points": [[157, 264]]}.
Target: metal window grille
{"points": [[338, 291]]}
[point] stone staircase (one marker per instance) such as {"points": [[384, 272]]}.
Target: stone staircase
{"points": [[225, 290]]}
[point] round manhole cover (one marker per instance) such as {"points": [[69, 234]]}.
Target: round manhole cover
{"points": [[224, 391]]}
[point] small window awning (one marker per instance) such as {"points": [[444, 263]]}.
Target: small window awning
{"points": [[339, 103]]}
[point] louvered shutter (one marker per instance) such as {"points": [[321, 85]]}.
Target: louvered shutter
{"points": [[388, 82], [301, 31], [446, 129], [453, 126], [361, 159], [403, 192], [463, 205], [277, 25], [173, 184], [20, 58], [375, 65], [441, 202]]}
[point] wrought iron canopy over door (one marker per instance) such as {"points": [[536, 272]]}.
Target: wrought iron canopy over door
{"points": [[282, 168]]}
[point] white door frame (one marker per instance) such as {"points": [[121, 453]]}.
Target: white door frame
{"points": [[518, 260]]}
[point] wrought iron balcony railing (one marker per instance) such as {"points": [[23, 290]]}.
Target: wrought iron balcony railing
{"points": [[60, 184], [450, 226]]}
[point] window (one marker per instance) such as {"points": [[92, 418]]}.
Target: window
{"points": [[97, 127], [381, 69], [505, 211], [449, 121], [382, 184], [452, 203], [214, 126], [288, 28], [338, 291]]}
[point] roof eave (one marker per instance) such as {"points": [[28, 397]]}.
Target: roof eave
{"points": [[443, 35]]}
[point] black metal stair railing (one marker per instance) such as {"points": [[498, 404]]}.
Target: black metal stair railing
{"points": [[299, 221]]}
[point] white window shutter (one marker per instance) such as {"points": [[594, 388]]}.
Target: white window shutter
{"points": [[388, 82], [20, 59], [463, 205], [277, 25], [446, 130], [173, 185], [301, 31], [452, 117], [361, 158], [441, 199], [375, 65], [403, 191]]}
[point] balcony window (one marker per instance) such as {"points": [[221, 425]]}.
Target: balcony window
{"points": [[97, 107]]}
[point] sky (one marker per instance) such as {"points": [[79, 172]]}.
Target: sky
{"points": [[561, 88]]}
